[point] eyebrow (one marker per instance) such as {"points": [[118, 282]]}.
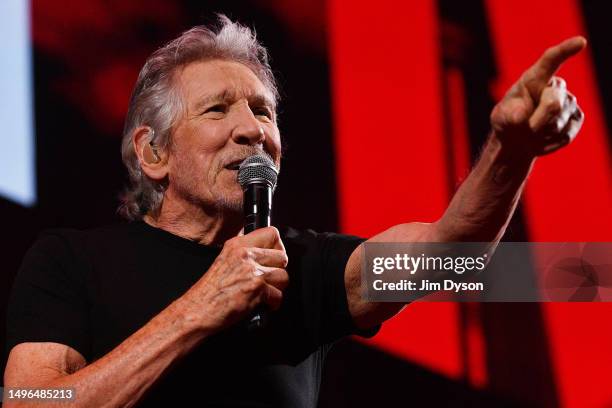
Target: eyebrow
{"points": [[231, 96]]}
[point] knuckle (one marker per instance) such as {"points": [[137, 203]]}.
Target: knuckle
{"points": [[498, 118], [560, 82], [231, 243], [257, 283], [239, 252], [249, 268], [243, 253], [285, 260], [274, 231]]}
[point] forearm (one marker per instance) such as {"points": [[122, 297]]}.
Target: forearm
{"points": [[479, 212], [484, 203], [122, 376]]}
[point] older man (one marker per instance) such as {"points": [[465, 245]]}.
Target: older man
{"points": [[150, 312]]}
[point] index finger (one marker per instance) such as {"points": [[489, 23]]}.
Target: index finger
{"points": [[267, 237], [538, 75]]}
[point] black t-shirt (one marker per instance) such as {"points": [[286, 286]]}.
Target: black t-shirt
{"points": [[92, 289]]}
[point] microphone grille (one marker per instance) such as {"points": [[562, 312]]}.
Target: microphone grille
{"points": [[257, 169]]}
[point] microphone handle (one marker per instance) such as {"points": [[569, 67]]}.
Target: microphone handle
{"points": [[257, 214]]}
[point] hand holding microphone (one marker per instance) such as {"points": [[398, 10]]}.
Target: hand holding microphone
{"points": [[257, 176], [249, 272], [248, 277]]}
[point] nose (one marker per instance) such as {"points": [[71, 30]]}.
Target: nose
{"points": [[248, 130]]}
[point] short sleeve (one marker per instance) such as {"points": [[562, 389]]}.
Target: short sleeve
{"points": [[337, 321], [48, 301]]}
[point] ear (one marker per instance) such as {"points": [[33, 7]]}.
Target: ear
{"points": [[153, 160]]}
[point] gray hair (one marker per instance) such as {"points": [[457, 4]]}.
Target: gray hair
{"points": [[156, 102]]}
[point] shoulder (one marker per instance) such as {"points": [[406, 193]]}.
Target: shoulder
{"points": [[61, 260], [71, 238], [71, 249]]}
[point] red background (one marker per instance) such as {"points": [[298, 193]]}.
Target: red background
{"points": [[391, 99]]}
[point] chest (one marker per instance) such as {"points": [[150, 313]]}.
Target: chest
{"points": [[127, 292], [278, 366]]}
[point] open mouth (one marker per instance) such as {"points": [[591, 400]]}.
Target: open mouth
{"points": [[234, 165]]}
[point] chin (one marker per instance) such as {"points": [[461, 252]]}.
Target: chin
{"points": [[227, 194], [230, 201]]}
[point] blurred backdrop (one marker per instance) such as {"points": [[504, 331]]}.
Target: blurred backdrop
{"points": [[384, 109]]}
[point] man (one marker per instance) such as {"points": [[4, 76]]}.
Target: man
{"points": [[152, 312]]}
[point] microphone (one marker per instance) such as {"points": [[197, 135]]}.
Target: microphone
{"points": [[257, 176]]}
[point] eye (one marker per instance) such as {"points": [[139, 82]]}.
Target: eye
{"points": [[262, 111], [215, 110]]}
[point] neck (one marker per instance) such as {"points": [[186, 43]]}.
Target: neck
{"points": [[203, 225]]}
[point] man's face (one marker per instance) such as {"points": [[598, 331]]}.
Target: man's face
{"points": [[229, 116]]}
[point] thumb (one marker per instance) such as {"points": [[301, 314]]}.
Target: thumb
{"points": [[510, 113]]}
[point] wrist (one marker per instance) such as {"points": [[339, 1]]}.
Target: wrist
{"points": [[190, 318], [509, 161], [512, 150]]}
